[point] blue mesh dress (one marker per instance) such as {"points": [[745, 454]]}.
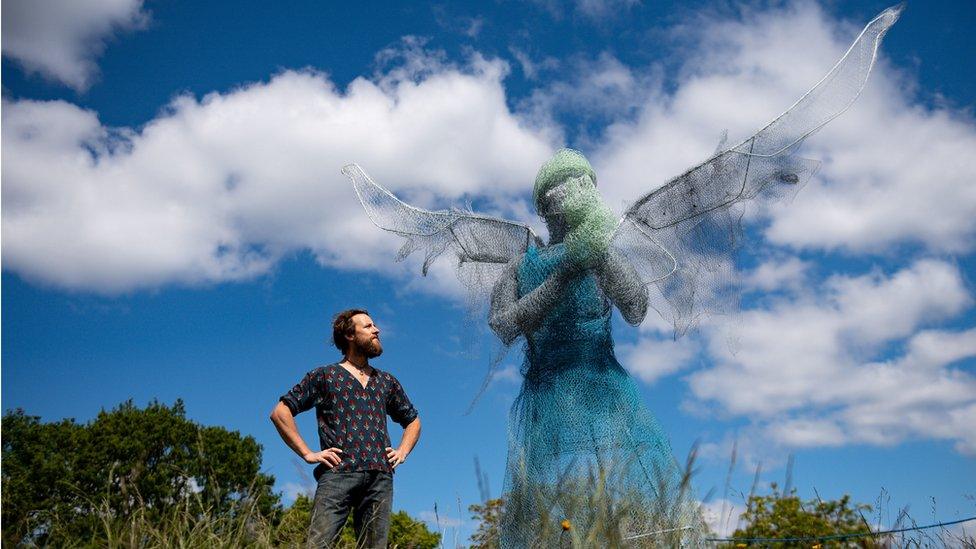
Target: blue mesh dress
{"points": [[582, 446]]}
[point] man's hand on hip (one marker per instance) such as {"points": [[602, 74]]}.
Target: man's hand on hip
{"points": [[330, 457], [395, 457]]}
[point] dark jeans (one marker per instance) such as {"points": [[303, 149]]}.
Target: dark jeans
{"points": [[368, 494]]}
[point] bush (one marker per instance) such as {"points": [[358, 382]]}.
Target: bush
{"points": [[784, 515]]}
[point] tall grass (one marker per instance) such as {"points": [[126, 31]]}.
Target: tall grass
{"points": [[599, 505], [577, 511], [189, 522]]}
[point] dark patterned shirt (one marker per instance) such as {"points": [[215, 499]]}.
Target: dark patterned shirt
{"points": [[350, 417]]}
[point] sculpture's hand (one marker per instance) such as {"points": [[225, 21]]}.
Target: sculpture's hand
{"points": [[584, 251], [590, 222]]}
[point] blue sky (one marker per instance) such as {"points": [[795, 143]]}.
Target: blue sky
{"points": [[175, 224]]}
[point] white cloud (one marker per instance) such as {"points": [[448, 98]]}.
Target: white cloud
{"points": [[291, 490], [599, 9], [61, 39], [597, 91], [532, 68], [722, 516], [507, 374], [651, 359], [806, 369], [221, 188], [593, 10], [787, 273], [894, 171], [458, 24]]}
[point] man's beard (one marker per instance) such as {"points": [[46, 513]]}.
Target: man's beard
{"points": [[371, 348]]}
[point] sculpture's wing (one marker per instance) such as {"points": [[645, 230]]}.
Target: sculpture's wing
{"points": [[681, 237], [481, 245]]}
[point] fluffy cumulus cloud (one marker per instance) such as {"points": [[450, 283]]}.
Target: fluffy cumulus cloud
{"points": [[722, 516], [61, 39], [808, 371], [893, 171], [221, 188], [652, 358]]}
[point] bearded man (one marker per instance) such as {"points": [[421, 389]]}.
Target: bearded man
{"points": [[354, 469]]}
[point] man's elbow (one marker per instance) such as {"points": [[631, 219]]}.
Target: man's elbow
{"points": [[279, 411]]}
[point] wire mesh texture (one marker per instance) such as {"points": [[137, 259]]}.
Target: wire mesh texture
{"points": [[582, 446]]}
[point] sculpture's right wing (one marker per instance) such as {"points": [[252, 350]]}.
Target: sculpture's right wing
{"points": [[482, 245]]}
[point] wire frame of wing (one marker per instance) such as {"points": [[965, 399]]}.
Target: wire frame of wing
{"points": [[471, 237], [682, 238], [830, 97]]}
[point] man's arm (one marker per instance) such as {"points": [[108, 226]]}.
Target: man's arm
{"points": [[284, 421], [411, 434]]}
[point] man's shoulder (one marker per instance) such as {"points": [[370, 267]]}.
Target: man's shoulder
{"points": [[324, 370], [387, 377]]}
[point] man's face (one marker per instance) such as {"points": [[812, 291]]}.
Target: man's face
{"points": [[365, 336]]}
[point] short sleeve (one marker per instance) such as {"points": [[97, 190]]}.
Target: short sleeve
{"points": [[398, 406], [305, 395]]}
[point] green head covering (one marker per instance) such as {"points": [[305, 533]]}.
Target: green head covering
{"points": [[564, 164]]}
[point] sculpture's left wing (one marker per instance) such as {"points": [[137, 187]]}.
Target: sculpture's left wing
{"points": [[681, 237]]}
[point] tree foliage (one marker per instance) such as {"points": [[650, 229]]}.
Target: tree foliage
{"points": [[64, 478], [293, 528], [784, 515], [489, 516], [407, 533]]}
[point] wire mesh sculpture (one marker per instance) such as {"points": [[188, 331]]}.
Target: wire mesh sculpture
{"points": [[582, 446]]}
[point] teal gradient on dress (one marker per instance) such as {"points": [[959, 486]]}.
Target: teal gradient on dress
{"points": [[578, 413]]}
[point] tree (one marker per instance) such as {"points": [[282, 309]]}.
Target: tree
{"points": [[489, 516], [64, 479], [407, 533], [784, 515]]}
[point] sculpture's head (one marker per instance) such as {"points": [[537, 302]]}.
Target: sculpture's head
{"points": [[554, 183], [566, 197]]}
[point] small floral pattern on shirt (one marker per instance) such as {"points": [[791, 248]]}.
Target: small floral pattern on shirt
{"points": [[351, 417]]}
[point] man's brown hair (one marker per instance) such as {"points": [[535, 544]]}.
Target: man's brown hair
{"points": [[343, 326]]}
